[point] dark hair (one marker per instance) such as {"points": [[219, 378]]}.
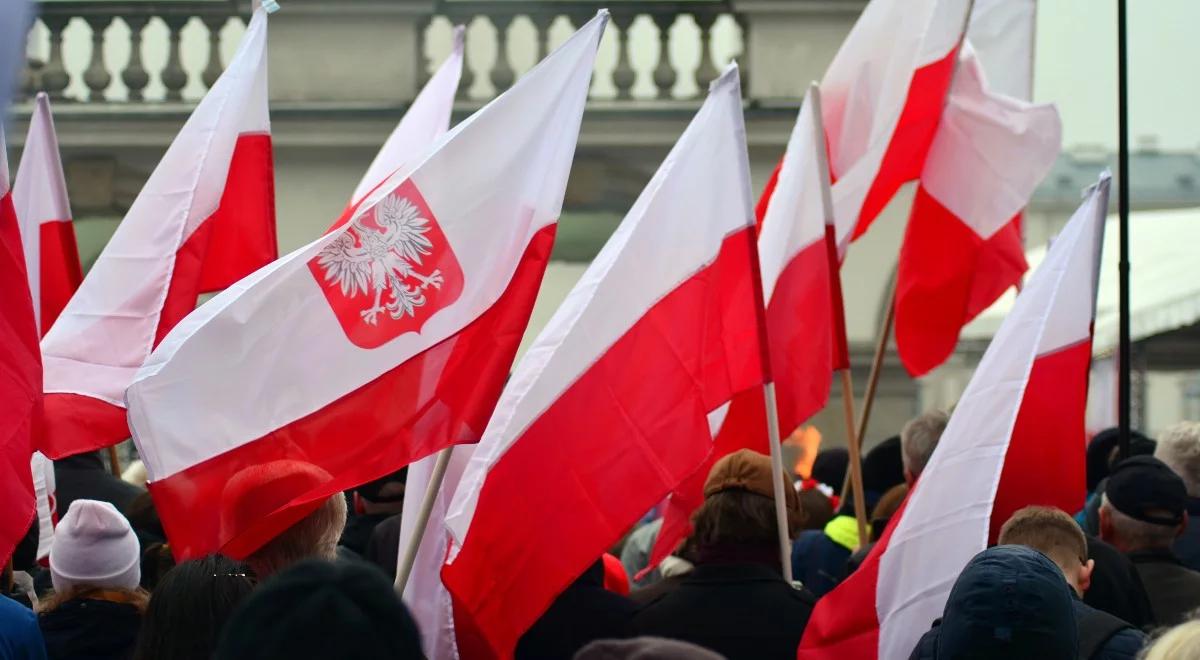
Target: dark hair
{"points": [[737, 517], [156, 561], [189, 608], [321, 609]]}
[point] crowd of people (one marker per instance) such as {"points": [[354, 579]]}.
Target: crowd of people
{"points": [[1119, 579]]}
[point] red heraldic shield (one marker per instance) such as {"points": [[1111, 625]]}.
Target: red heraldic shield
{"points": [[390, 271]]}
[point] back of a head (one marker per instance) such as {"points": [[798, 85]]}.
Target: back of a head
{"points": [[1179, 643], [1144, 506], [315, 536], [190, 607], [1009, 602], [644, 648], [920, 437], [318, 609], [883, 468], [1049, 531], [1179, 448], [739, 507]]}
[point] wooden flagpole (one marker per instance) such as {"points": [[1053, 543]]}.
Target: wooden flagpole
{"points": [[114, 463], [406, 560], [854, 474], [885, 335], [781, 524]]}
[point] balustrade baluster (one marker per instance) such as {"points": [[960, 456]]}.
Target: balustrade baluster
{"points": [[664, 73], [423, 70], [707, 71], [174, 78], [135, 76], [55, 77], [502, 72], [97, 77], [743, 58], [623, 75], [213, 69], [541, 23]]}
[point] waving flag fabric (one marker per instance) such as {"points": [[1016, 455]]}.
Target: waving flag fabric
{"points": [[374, 346], [803, 318], [583, 442], [962, 248], [47, 233], [205, 218], [1016, 438]]}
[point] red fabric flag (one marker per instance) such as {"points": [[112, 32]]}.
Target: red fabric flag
{"points": [[582, 442], [1016, 439]]}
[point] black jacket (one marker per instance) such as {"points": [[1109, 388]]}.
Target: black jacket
{"points": [[1103, 636], [1116, 587], [585, 612], [84, 477], [740, 610], [1173, 589], [85, 629]]}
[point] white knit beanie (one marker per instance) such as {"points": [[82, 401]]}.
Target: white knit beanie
{"points": [[94, 546]]}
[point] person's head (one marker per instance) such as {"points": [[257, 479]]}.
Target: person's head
{"points": [[887, 506], [918, 439], [1144, 505], [385, 494], [189, 608], [1056, 535], [314, 536], [94, 548], [319, 609], [817, 508], [1179, 448], [829, 467], [739, 505], [644, 648], [1179, 643], [883, 468], [1009, 602]]}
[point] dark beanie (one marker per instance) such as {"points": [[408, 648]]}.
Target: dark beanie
{"points": [[1100, 450], [883, 467], [830, 465], [318, 609]]}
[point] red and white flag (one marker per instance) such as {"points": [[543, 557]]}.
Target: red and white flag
{"points": [[427, 120], [46, 496], [427, 599], [205, 219], [882, 96], [47, 233], [1016, 439], [1002, 33], [375, 345], [962, 248], [608, 411], [20, 373], [805, 327]]}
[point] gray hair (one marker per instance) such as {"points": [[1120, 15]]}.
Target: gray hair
{"points": [[1179, 448], [314, 536], [1138, 534], [920, 437]]}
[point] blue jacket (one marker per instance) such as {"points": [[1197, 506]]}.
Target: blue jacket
{"points": [[20, 638]]}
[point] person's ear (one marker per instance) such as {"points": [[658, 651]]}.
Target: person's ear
{"points": [[1085, 576]]}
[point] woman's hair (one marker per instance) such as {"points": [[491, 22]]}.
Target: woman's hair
{"points": [[1179, 643], [136, 597], [738, 517], [156, 561], [190, 607]]}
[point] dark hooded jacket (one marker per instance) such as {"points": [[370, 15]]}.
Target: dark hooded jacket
{"points": [[90, 629], [581, 614]]}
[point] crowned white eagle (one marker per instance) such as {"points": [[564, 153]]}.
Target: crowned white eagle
{"points": [[368, 260]]}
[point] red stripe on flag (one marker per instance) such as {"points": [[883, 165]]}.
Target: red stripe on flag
{"points": [[236, 240], [1046, 458], [74, 423], [59, 270], [947, 275], [20, 386], [238, 500], [609, 448], [905, 155]]}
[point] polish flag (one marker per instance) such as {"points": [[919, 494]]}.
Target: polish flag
{"points": [[427, 599], [45, 494], [1003, 33], [805, 326], [47, 233], [427, 120], [20, 374], [609, 409], [205, 219], [1016, 439], [962, 248], [882, 97], [377, 344]]}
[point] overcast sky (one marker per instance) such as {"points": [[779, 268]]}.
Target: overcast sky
{"points": [[1076, 67]]}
